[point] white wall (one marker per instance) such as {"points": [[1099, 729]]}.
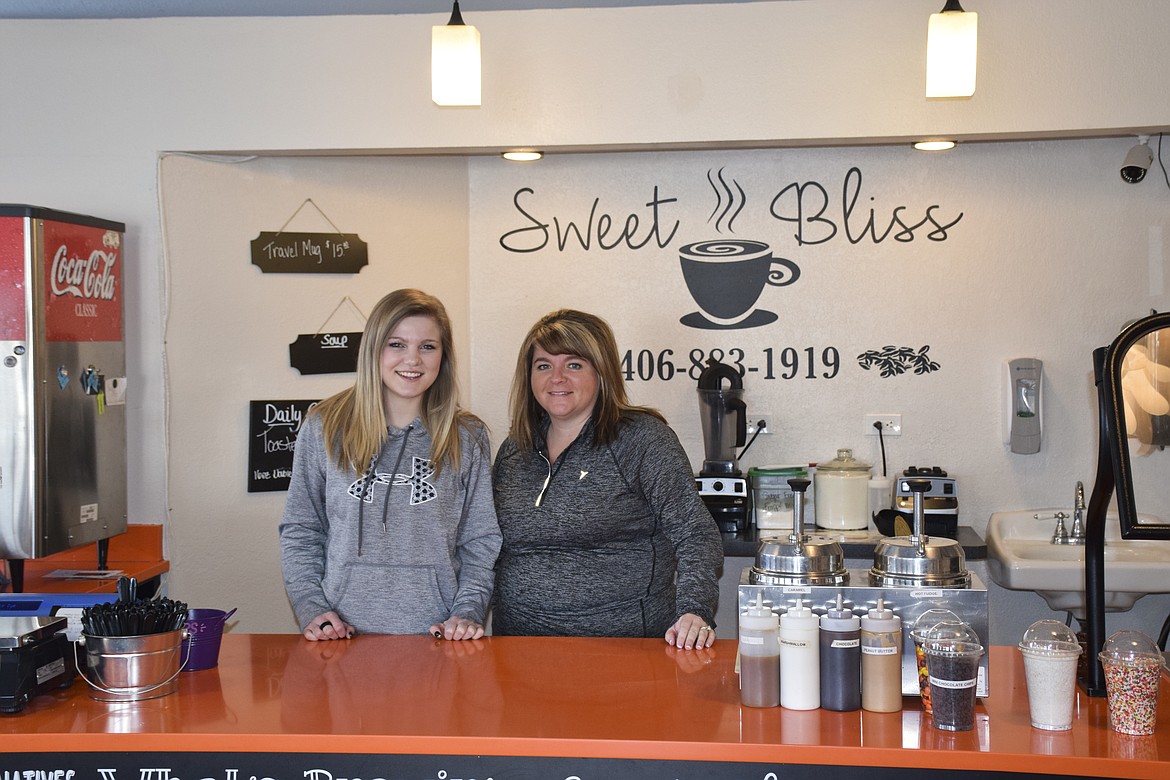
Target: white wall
{"points": [[230, 327], [90, 105], [1048, 256], [1047, 253]]}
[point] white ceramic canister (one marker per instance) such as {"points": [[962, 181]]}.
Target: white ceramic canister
{"points": [[842, 487]]}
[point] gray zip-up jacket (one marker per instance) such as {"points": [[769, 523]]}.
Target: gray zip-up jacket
{"points": [[392, 551], [607, 541]]}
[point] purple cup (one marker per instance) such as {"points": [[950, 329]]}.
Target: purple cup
{"points": [[204, 632]]}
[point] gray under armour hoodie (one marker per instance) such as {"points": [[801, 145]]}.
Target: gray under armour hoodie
{"points": [[394, 550]]}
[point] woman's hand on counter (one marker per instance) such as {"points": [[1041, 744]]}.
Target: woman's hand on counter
{"points": [[328, 625], [456, 627], [689, 632]]}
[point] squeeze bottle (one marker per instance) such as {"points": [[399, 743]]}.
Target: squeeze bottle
{"points": [[881, 660], [840, 659], [800, 661], [759, 656]]}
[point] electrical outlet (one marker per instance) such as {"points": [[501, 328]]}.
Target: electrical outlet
{"points": [[754, 422], [891, 424]]}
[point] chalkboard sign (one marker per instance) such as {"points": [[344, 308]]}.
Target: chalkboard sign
{"points": [[272, 437], [325, 353], [309, 253]]}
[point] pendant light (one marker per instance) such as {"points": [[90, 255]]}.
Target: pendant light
{"points": [[455, 62], [951, 48]]}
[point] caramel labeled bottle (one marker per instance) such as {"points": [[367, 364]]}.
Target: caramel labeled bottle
{"points": [[759, 656], [881, 660]]}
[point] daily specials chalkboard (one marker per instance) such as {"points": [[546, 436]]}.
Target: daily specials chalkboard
{"points": [[325, 353], [272, 437], [309, 253]]}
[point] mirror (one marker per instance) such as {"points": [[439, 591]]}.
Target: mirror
{"points": [[1135, 386], [1132, 375]]}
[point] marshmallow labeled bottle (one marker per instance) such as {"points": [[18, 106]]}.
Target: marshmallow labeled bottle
{"points": [[800, 661], [881, 660], [840, 642], [759, 656]]}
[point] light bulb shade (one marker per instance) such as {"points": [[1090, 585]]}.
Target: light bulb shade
{"points": [[455, 77], [952, 43]]}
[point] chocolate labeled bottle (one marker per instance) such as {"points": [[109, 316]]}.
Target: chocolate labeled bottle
{"points": [[840, 641]]}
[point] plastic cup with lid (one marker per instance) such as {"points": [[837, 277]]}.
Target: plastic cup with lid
{"points": [[952, 658], [1051, 652], [1133, 667], [918, 630]]}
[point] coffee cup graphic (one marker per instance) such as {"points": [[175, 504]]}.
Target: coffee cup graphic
{"points": [[726, 279]]}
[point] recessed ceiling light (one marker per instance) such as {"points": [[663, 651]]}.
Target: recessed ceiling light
{"points": [[934, 146], [522, 156]]}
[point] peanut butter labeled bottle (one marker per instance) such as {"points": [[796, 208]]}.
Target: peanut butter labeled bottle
{"points": [[881, 660]]}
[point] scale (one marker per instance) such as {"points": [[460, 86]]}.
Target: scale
{"points": [[65, 605], [34, 658]]}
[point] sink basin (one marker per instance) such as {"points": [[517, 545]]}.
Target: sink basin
{"points": [[1022, 557]]}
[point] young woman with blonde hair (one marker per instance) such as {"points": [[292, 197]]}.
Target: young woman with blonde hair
{"points": [[389, 525]]}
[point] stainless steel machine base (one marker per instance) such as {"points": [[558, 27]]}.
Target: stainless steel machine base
{"points": [[970, 604]]}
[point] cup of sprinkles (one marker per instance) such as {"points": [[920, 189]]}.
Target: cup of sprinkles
{"points": [[1133, 667]]}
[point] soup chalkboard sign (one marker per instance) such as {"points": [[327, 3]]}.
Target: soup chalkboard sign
{"points": [[272, 430], [325, 353]]}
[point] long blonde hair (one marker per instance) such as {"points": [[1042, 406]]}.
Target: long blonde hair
{"points": [[354, 421], [571, 332]]}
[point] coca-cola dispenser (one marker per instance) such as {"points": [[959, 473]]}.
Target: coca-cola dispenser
{"points": [[62, 383]]}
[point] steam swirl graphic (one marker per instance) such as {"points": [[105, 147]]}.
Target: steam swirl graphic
{"points": [[729, 206]]}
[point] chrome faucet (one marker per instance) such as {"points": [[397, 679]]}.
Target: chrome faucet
{"points": [[1061, 535], [1077, 534]]}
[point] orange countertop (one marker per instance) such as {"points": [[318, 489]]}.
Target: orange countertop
{"points": [[136, 553], [532, 696]]}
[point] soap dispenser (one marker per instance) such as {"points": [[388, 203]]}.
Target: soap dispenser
{"points": [[1024, 417], [759, 656]]}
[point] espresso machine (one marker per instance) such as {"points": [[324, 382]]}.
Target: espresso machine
{"points": [[722, 485]]}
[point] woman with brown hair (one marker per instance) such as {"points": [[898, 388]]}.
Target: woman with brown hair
{"points": [[604, 531]]}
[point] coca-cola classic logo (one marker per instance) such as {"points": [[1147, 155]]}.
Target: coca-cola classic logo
{"points": [[85, 277]]}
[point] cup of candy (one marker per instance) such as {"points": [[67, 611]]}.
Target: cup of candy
{"points": [[1133, 668]]}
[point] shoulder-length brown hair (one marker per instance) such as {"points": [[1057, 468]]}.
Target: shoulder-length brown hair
{"points": [[571, 332], [354, 420]]}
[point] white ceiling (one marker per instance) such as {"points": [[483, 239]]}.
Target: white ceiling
{"points": [[149, 9]]}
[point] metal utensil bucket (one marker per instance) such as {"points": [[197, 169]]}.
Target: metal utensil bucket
{"points": [[131, 668]]}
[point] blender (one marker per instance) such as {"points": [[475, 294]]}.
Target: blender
{"points": [[724, 420]]}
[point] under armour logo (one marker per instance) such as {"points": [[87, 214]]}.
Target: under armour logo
{"points": [[421, 491], [583, 475]]}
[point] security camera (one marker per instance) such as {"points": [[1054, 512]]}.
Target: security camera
{"points": [[1138, 161]]}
